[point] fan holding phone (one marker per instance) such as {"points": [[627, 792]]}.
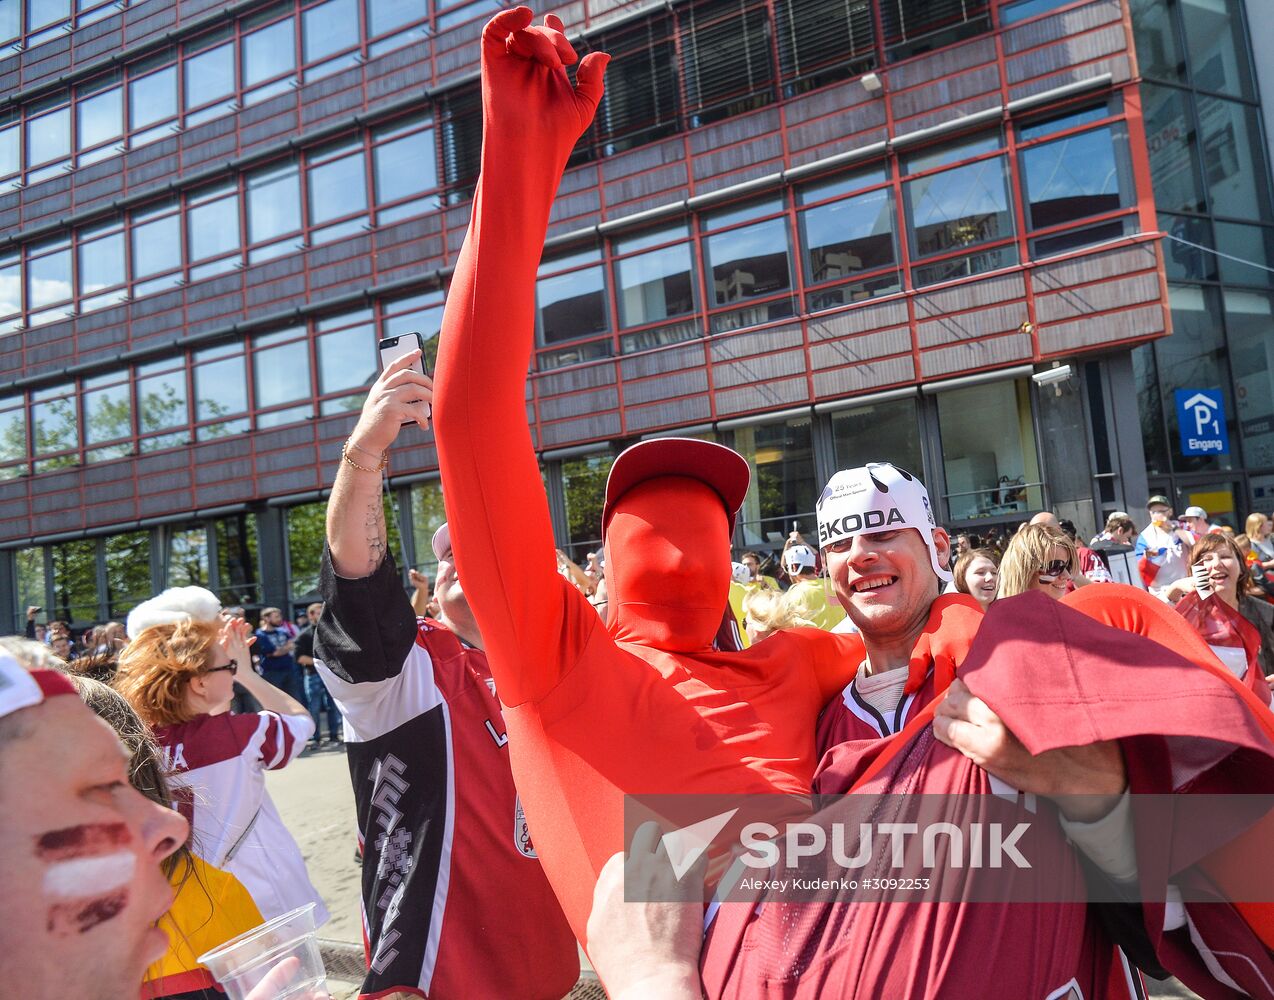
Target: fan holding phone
{"points": [[393, 348]]}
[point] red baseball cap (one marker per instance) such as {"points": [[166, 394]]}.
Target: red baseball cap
{"points": [[714, 465]]}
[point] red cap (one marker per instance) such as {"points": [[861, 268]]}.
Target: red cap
{"points": [[714, 465]]}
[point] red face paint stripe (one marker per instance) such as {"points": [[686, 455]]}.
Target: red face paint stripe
{"points": [[82, 841], [83, 915]]}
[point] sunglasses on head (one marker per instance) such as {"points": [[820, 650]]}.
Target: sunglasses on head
{"points": [[232, 666]]}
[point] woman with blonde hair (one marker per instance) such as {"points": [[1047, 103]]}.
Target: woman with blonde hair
{"points": [[766, 611], [1039, 557], [178, 674]]}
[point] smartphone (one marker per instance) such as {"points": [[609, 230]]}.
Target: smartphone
{"points": [[393, 348]]}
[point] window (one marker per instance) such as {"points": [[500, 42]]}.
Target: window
{"points": [[346, 348], [1174, 151], [404, 166], [1159, 50], [427, 516], [281, 376], [654, 284], [384, 16], [42, 13], [887, 431], [1217, 49], [461, 124], [221, 392], [75, 581], [156, 245], [727, 60], [1251, 243], [337, 189], [572, 300], [1075, 177], [238, 575], [584, 489], [269, 52], [329, 28], [100, 119], [1014, 12], [29, 564], [958, 208], [10, 293], [274, 211], [783, 488], [48, 141], [212, 230], [108, 417], [1248, 319], [847, 237], [101, 267], [13, 437], [54, 424], [914, 26], [10, 143], [820, 41], [1194, 356], [152, 98], [186, 564], [749, 262], [641, 102], [49, 279], [210, 78], [420, 314], [161, 404], [11, 27], [988, 450], [1233, 162], [128, 580]]}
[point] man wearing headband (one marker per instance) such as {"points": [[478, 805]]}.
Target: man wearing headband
{"points": [[887, 558], [645, 701], [455, 903], [80, 848]]}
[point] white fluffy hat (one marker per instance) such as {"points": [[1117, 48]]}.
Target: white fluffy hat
{"points": [[176, 604]]}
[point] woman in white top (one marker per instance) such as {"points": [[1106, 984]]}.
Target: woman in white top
{"points": [[180, 678]]}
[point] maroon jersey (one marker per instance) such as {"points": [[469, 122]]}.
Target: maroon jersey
{"points": [[455, 903], [1088, 683]]}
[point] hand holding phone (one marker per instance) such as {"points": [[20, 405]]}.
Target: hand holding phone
{"points": [[393, 348]]}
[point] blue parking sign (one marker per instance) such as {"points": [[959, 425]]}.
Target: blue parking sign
{"points": [[1201, 418]]}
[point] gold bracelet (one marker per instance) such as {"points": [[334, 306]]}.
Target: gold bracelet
{"points": [[384, 460], [349, 443]]}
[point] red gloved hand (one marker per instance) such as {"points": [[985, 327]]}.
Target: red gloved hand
{"points": [[945, 641], [526, 94]]}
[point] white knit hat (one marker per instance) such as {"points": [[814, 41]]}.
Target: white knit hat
{"points": [[176, 604]]}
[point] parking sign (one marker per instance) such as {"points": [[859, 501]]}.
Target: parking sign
{"points": [[1201, 419]]}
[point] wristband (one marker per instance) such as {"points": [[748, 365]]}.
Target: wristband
{"points": [[384, 459]]}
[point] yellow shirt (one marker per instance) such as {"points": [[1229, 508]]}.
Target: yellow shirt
{"points": [[810, 599], [738, 591], [211, 907]]}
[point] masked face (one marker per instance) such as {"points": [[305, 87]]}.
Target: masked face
{"points": [[668, 563]]}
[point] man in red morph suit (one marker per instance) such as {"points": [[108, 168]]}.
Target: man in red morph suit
{"points": [[643, 702]]}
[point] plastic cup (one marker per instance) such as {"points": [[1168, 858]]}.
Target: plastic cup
{"points": [[283, 949]]}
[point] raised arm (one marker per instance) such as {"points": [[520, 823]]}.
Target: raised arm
{"points": [[500, 529]]}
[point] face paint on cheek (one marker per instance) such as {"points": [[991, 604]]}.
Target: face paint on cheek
{"points": [[88, 874]]}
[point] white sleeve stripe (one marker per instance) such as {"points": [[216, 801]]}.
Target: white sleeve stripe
{"points": [[271, 727]]}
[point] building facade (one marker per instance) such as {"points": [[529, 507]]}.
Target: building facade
{"points": [[922, 231]]}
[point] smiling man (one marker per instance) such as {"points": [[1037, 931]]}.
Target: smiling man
{"points": [[886, 557]]}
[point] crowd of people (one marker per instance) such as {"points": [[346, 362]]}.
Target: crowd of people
{"points": [[497, 718]]}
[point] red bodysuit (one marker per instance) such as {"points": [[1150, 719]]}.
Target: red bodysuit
{"points": [[594, 710]]}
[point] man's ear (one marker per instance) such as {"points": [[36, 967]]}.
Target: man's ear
{"points": [[942, 544]]}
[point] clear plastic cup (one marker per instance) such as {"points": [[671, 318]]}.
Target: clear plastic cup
{"points": [[278, 960]]}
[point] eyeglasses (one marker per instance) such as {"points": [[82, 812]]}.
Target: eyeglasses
{"points": [[232, 666], [1055, 569]]}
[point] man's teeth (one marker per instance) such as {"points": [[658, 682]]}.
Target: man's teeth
{"points": [[883, 581]]}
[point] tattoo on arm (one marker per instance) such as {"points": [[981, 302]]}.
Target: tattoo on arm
{"points": [[375, 525]]}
